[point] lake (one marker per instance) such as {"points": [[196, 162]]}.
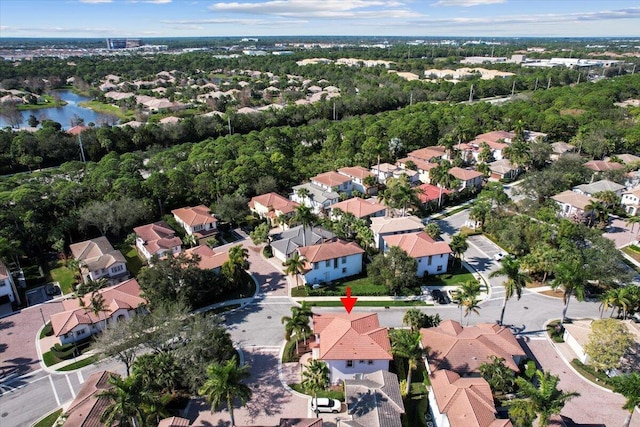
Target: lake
{"points": [[64, 115]]}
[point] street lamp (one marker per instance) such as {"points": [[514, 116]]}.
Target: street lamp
{"points": [[44, 322]]}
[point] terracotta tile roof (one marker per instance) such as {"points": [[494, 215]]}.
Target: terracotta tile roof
{"points": [[464, 174], [463, 350], [572, 198], [417, 245], [467, 402], [209, 259], [126, 295], [76, 130], [431, 192], [493, 136], [383, 225], [87, 408], [355, 172], [360, 208], [601, 165], [96, 253], [427, 153], [385, 168], [195, 215], [331, 179], [157, 236], [351, 336], [420, 164], [329, 250], [274, 201], [633, 191], [4, 273]]}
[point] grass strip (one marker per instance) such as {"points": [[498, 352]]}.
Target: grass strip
{"points": [[79, 364], [49, 420]]}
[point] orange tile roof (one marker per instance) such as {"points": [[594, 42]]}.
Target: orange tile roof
{"points": [[417, 245], [464, 349], [331, 179], [427, 153], [420, 164], [464, 174], [274, 201], [356, 172], [126, 295], [351, 336], [467, 402], [360, 208], [493, 136], [572, 198], [329, 250], [601, 165], [431, 192], [195, 215], [157, 236], [87, 408], [209, 259]]}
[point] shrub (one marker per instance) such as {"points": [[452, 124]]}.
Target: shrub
{"points": [[556, 331], [47, 331]]}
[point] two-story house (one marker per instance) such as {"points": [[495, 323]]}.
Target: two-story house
{"points": [[385, 226], [360, 208], [468, 178], [351, 344], [98, 259], [77, 321], [8, 291], [331, 260], [333, 181], [431, 256], [631, 201], [358, 174], [572, 204], [272, 206], [422, 168], [208, 258], [287, 242], [598, 187], [314, 197], [157, 239], [197, 221]]}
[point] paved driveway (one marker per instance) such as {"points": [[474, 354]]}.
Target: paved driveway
{"points": [[594, 406]]}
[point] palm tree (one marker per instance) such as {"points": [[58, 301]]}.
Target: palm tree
{"points": [[414, 318], [304, 313], [543, 400], [407, 344], [628, 386], [515, 281], [631, 222], [238, 261], [224, 385], [471, 305], [126, 397], [459, 245], [303, 193], [306, 217], [597, 212], [608, 300], [295, 325], [433, 230], [518, 153], [570, 276], [479, 211], [190, 240], [499, 376], [315, 376], [295, 266], [468, 293]]}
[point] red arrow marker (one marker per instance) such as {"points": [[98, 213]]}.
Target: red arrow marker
{"points": [[348, 302]]}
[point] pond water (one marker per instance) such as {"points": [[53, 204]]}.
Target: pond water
{"points": [[66, 114]]}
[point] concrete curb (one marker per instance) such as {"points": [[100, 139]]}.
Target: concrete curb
{"points": [[46, 415], [567, 362], [281, 375]]}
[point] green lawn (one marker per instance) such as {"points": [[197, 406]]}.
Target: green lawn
{"points": [[107, 109], [331, 394], [456, 276], [630, 250], [49, 359], [64, 276], [134, 263], [368, 303], [49, 420], [79, 364]]}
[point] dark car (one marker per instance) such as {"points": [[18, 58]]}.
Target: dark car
{"points": [[51, 289], [440, 297]]}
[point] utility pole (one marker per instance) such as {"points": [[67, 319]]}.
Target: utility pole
{"points": [[471, 94], [84, 160], [536, 86], [549, 83], [411, 99], [334, 111], [513, 88], [229, 123]]}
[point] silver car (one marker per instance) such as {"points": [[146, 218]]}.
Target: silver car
{"points": [[323, 404]]}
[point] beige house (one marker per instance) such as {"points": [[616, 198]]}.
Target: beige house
{"points": [[196, 221], [572, 203], [272, 206], [385, 226], [98, 259]]}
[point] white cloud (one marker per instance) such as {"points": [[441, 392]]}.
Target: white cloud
{"points": [[234, 21], [466, 3]]}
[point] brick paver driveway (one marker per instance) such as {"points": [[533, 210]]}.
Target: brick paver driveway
{"points": [[595, 406], [18, 354]]}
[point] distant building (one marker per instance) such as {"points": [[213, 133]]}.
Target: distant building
{"points": [[123, 43]]}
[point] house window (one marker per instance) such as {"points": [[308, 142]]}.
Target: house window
{"points": [[429, 260], [361, 362], [315, 265], [335, 263], [439, 268], [327, 263], [344, 269], [349, 363], [344, 259], [370, 362]]}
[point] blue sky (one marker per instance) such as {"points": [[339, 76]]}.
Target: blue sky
{"points": [[184, 18]]}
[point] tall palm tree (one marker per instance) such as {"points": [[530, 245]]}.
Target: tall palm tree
{"points": [[190, 240], [629, 386], [296, 325], [631, 222], [224, 384], [597, 212], [414, 318], [459, 246], [315, 376], [571, 277], [407, 344], [238, 261], [295, 266], [515, 281], [608, 300], [126, 398], [468, 292], [304, 313], [303, 215], [471, 305], [543, 400]]}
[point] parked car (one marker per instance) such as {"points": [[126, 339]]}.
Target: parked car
{"points": [[498, 256], [51, 289], [440, 296], [324, 404]]}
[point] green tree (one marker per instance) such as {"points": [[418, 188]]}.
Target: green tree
{"points": [[304, 216], [260, 234], [414, 318], [315, 376], [394, 269], [543, 399], [515, 281], [224, 384], [500, 377], [467, 297], [479, 211], [459, 246], [234, 268], [629, 386], [609, 340], [232, 208], [570, 276], [433, 230], [129, 403], [408, 345], [296, 325], [295, 266], [399, 194]]}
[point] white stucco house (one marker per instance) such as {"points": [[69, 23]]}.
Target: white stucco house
{"points": [[333, 181], [431, 256], [351, 344], [329, 261], [385, 226], [318, 199], [572, 203], [75, 323], [157, 239], [8, 291], [98, 259], [358, 174], [631, 201], [196, 221]]}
